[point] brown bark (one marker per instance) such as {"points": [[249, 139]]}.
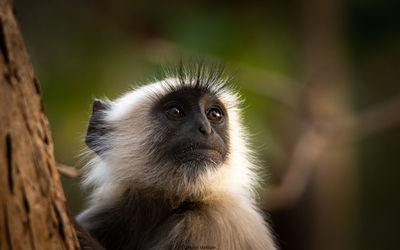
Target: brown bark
{"points": [[33, 210]]}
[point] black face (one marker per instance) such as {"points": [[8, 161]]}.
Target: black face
{"points": [[196, 129]]}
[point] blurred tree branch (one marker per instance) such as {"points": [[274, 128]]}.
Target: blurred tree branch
{"points": [[379, 118], [68, 171], [313, 141]]}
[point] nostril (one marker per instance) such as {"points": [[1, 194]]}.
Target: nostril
{"points": [[204, 130]]}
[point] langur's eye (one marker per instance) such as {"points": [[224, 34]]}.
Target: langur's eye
{"points": [[175, 112], [214, 114]]}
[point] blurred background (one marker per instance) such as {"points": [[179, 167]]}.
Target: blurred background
{"points": [[320, 80]]}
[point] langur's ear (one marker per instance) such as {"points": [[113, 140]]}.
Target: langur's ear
{"points": [[97, 128]]}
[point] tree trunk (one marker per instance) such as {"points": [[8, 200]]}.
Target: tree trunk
{"points": [[33, 210], [327, 100]]}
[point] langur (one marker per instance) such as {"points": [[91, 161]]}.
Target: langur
{"points": [[172, 168]]}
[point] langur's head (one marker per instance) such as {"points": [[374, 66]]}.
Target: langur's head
{"points": [[178, 135]]}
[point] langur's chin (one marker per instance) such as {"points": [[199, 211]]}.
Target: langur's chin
{"points": [[199, 158]]}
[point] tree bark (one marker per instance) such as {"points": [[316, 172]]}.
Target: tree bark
{"points": [[33, 210]]}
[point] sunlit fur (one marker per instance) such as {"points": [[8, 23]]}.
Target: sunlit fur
{"points": [[125, 163]]}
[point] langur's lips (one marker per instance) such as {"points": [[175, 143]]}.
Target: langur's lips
{"points": [[197, 148]]}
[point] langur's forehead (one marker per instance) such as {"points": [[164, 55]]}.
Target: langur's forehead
{"points": [[178, 88], [190, 92]]}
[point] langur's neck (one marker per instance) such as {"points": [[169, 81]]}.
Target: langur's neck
{"points": [[172, 199]]}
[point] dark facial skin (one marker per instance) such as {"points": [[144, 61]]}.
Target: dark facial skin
{"points": [[196, 125]]}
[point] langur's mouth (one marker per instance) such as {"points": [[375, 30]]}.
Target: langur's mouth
{"points": [[199, 154], [199, 149]]}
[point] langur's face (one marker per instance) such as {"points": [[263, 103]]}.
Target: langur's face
{"points": [[194, 127]]}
